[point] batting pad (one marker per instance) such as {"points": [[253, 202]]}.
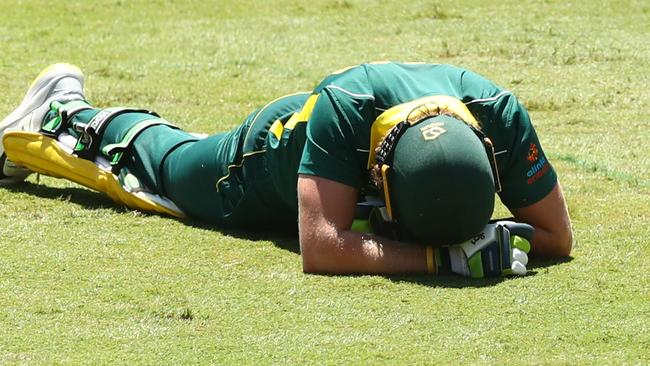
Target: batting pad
{"points": [[45, 155]]}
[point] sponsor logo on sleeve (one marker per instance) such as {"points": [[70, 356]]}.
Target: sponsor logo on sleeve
{"points": [[539, 165], [533, 153]]}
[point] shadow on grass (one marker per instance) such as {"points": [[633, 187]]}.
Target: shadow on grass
{"points": [[535, 266], [286, 239], [543, 264], [448, 281], [81, 196]]}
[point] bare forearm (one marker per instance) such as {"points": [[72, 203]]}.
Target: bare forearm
{"points": [[363, 253], [328, 245]]}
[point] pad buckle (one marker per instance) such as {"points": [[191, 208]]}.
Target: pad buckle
{"points": [[90, 134], [58, 124]]}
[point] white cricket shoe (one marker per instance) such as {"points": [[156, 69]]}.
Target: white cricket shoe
{"points": [[58, 82]]}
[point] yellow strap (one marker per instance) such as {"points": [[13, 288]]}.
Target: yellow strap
{"points": [[430, 260], [384, 181]]}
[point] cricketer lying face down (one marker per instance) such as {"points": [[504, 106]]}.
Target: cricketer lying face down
{"points": [[386, 168]]}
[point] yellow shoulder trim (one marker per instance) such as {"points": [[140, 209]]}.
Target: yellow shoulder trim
{"points": [[276, 129], [250, 128], [304, 113]]}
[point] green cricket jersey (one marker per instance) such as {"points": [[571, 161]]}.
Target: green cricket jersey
{"points": [[335, 124]]}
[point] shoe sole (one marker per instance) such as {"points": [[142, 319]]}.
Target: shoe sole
{"points": [[36, 97], [40, 91]]}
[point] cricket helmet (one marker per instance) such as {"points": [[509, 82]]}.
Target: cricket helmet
{"points": [[439, 178]]}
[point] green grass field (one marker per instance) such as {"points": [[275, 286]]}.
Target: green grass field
{"points": [[83, 281]]}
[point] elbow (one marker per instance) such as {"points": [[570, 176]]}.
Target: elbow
{"points": [[560, 243], [309, 260], [312, 259], [565, 243], [322, 255]]}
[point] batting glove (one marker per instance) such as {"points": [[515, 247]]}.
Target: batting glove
{"points": [[499, 250]]}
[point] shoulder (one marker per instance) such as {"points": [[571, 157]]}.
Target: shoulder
{"points": [[348, 77]]}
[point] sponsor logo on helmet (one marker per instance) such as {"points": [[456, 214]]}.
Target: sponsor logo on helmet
{"points": [[432, 131]]}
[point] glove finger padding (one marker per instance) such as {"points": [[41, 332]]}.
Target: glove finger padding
{"points": [[519, 255]]}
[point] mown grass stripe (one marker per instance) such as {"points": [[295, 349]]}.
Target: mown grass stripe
{"points": [[609, 173]]}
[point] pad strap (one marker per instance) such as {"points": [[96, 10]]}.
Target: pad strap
{"points": [[64, 112], [115, 152], [90, 134]]}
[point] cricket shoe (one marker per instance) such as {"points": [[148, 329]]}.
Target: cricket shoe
{"points": [[59, 82]]}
